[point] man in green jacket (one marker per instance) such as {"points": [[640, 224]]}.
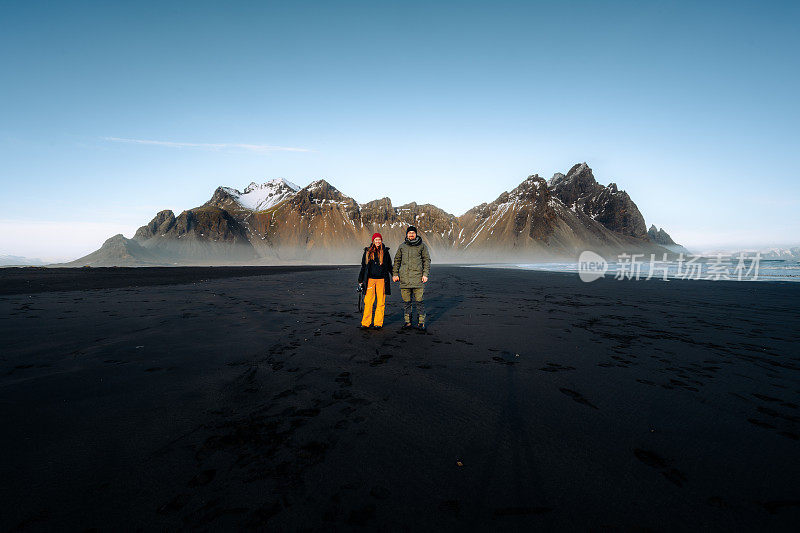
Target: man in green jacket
{"points": [[412, 265]]}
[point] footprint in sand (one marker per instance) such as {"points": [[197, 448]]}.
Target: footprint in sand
{"points": [[380, 360], [555, 367], [578, 397], [653, 460], [344, 379]]}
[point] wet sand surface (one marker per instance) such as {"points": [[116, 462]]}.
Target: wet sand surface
{"points": [[534, 400]]}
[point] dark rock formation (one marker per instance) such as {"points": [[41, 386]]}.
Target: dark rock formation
{"points": [[160, 225], [202, 234], [379, 212], [659, 236], [425, 217], [613, 208], [526, 212]]}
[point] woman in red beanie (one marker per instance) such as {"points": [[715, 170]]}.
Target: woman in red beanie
{"points": [[374, 278]]}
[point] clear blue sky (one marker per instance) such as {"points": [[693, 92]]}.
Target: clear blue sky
{"points": [[691, 107]]}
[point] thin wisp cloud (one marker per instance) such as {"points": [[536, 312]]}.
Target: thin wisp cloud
{"points": [[211, 146]]}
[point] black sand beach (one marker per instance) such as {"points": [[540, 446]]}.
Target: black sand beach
{"points": [[534, 400]]}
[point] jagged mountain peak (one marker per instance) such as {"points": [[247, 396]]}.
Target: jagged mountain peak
{"points": [[323, 190], [321, 193], [319, 184], [580, 177], [578, 182], [277, 183], [579, 168], [160, 225], [384, 200], [532, 188], [558, 176], [659, 236], [256, 196], [614, 209]]}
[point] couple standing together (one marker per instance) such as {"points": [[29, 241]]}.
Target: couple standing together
{"points": [[412, 264]]}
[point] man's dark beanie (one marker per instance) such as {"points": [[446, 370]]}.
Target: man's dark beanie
{"points": [[411, 228]]}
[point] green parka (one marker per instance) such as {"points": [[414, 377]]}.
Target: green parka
{"points": [[412, 261]]}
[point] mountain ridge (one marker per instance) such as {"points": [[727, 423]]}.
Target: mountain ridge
{"points": [[278, 222]]}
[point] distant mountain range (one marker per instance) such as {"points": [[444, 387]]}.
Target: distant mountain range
{"points": [[787, 254], [18, 260], [771, 254], [279, 222]]}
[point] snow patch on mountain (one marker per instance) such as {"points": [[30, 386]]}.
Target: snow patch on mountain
{"points": [[258, 197]]}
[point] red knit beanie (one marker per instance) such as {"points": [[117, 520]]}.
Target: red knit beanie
{"points": [[377, 235]]}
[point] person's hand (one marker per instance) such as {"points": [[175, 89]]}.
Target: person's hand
{"points": [[396, 278], [424, 279]]}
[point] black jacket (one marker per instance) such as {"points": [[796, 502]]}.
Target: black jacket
{"points": [[384, 270]]}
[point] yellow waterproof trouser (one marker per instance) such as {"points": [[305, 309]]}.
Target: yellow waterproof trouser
{"points": [[375, 291]]}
